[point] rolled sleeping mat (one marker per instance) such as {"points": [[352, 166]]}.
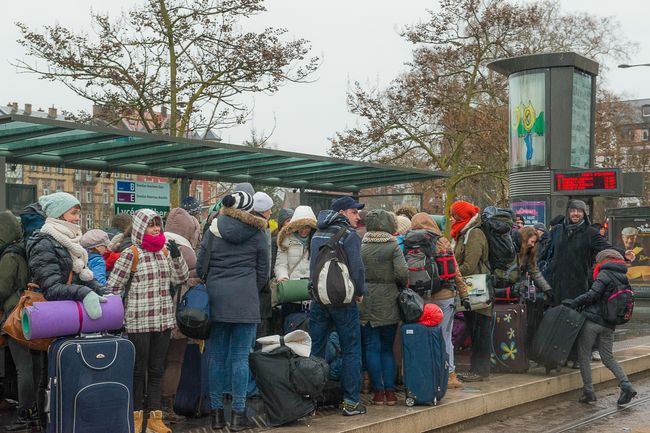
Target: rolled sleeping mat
{"points": [[293, 291]]}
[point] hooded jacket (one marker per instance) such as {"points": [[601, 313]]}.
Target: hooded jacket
{"points": [[238, 266], [386, 271], [292, 260], [329, 222], [149, 305], [570, 256], [471, 252], [609, 276], [13, 266]]}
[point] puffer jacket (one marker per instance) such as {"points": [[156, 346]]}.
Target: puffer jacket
{"points": [[386, 271], [293, 254], [13, 266], [608, 276], [97, 265], [471, 251], [149, 305], [239, 266]]}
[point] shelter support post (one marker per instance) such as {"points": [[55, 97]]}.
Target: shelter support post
{"points": [[3, 184], [185, 187]]}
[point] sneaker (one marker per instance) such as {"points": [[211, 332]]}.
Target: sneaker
{"points": [[378, 397], [472, 377], [391, 398], [587, 397], [595, 356], [453, 381], [626, 396], [353, 409]]}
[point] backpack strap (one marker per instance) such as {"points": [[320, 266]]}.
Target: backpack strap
{"points": [[337, 237], [134, 268]]}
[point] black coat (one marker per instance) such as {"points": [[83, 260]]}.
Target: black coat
{"points": [[50, 265], [571, 258], [610, 276]]}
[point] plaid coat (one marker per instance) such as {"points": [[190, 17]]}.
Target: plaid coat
{"points": [[149, 305]]}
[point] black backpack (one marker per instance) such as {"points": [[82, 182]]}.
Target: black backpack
{"points": [[497, 224], [618, 305], [331, 280], [427, 272]]}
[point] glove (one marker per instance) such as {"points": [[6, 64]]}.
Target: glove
{"points": [[550, 296], [91, 304], [466, 304], [174, 252]]}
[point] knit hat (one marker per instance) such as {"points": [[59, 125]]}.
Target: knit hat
{"points": [[244, 187], [440, 220], [238, 200], [403, 224], [464, 210], [191, 205], [407, 211], [94, 238], [55, 205], [284, 215], [577, 204], [609, 254], [262, 202], [540, 226]]}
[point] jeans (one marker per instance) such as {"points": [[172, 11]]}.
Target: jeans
{"points": [[378, 347], [27, 375], [590, 332], [150, 355], [448, 308], [346, 322], [481, 329], [230, 342]]}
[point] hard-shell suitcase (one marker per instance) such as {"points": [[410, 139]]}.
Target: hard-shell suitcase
{"points": [[425, 364], [193, 394], [90, 385], [509, 338], [555, 336]]}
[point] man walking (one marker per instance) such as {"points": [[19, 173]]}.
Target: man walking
{"points": [[343, 214]]}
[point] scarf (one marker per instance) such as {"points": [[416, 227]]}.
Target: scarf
{"points": [[153, 243], [69, 236], [597, 268], [572, 228], [303, 240]]}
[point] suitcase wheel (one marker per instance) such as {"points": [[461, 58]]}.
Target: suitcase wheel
{"points": [[410, 401]]}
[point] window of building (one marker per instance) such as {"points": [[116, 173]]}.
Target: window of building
{"points": [[89, 196], [46, 169], [77, 194], [105, 195], [32, 167], [89, 222], [199, 195], [59, 170], [89, 176], [46, 191], [127, 176], [645, 110], [645, 134], [77, 174]]}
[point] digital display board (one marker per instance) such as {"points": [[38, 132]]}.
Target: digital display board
{"points": [[587, 182]]}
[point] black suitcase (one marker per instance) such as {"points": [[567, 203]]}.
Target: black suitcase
{"points": [[555, 336], [193, 394], [509, 338]]}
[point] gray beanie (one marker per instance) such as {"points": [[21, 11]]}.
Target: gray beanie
{"points": [[577, 204], [540, 226], [55, 205], [245, 187], [609, 254], [284, 215]]}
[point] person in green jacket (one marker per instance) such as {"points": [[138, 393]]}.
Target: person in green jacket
{"points": [[14, 276], [471, 251], [386, 271]]}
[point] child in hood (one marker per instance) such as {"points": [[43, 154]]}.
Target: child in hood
{"points": [[96, 243]]}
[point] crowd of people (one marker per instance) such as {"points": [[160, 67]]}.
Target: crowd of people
{"points": [[240, 259]]}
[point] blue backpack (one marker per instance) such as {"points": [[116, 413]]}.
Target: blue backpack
{"points": [[193, 309]]}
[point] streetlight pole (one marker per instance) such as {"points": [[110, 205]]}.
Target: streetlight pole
{"points": [[625, 65]]}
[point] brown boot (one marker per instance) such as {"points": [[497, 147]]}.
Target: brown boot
{"points": [[391, 398], [155, 423], [137, 421], [453, 381], [168, 411]]}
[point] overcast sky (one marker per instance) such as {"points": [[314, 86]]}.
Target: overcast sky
{"points": [[356, 40]]}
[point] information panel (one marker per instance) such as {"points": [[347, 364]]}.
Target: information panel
{"points": [[586, 182]]}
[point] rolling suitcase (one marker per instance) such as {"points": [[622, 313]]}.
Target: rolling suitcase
{"points": [[193, 394], [90, 385], [425, 364], [509, 338], [555, 336]]}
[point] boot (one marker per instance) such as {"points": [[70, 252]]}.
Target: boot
{"points": [[453, 381], [23, 421], [391, 398], [137, 421], [168, 411], [587, 397], [218, 419], [627, 394], [240, 421], [155, 423]]}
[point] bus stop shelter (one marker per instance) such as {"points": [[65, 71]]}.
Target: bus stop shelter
{"points": [[40, 141]]}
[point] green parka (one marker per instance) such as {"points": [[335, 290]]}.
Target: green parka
{"points": [[385, 270], [14, 273]]}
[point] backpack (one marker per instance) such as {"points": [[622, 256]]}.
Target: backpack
{"points": [[331, 282], [618, 306], [428, 270], [497, 224]]}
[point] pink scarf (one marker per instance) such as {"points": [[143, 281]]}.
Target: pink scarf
{"points": [[153, 243]]}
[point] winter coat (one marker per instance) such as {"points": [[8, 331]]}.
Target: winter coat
{"points": [[149, 305], [293, 254], [329, 223], [471, 251], [238, 267], [32, 219], [570, 258], [386, 273], [14, 274], [97, 265], [609, 276]]}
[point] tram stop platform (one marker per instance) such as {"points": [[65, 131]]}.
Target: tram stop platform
{"points": [[461, 407]]}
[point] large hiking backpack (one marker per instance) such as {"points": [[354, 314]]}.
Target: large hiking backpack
{"points": [[497, 225], [618, 305], [331, 281], [428, 269]]}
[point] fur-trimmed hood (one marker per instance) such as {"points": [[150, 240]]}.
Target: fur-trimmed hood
{"points": [[378, 237], [236, 226], [293, 227], [474, 222]]}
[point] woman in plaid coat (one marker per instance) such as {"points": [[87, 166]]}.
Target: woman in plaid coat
{"points": [[149, 314]]}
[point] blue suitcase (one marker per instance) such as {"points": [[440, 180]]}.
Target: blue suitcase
{"points": [[425, 363], [90, 385], [193, 394]]}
